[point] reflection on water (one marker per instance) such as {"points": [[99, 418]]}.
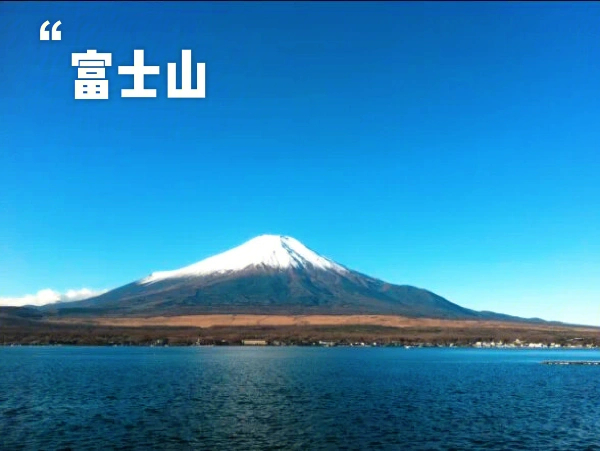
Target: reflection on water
{"points": [[296, 398]]}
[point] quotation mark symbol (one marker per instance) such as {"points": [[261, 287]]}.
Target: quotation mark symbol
{"points": [[45, 34]]}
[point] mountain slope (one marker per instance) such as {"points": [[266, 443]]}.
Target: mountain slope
{"points": [[268, 275]]}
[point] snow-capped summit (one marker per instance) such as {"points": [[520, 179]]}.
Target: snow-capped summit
{"points": [[265, 251]]}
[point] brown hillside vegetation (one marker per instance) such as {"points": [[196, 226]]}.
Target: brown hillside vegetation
{"points": [[242, 320]]}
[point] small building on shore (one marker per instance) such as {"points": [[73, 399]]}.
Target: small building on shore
{"points": [[254, 342]]}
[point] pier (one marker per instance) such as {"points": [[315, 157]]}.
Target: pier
{"points": [[572, 362]]}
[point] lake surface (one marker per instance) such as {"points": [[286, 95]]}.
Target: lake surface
{"points": [[235, 398]]}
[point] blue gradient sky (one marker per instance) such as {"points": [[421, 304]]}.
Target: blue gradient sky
{"points": [[454, 147]]}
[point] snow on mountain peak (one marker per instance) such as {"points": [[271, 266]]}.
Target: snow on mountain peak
{"points": [[266, 251]]}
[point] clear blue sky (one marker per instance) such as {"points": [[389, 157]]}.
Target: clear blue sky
{"points": [[454, 147]]}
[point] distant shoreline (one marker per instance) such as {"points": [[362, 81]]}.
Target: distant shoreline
{"points": [[306, 345], [300, 330]]}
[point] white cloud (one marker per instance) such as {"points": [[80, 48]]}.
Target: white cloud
{"points": [[49, 296]]}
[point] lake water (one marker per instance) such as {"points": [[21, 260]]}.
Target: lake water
{"points": [[235, 398]]}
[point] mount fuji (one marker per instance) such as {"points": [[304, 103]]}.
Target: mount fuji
{"points": [[269, 274]]}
